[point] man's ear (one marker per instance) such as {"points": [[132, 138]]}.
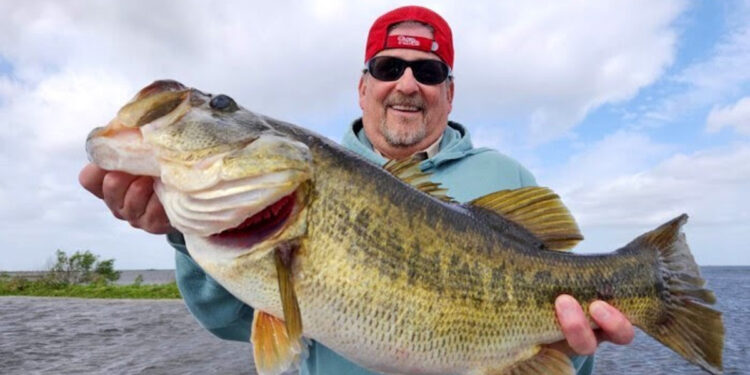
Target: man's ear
{"points": [[361, 89], [450, 91]]}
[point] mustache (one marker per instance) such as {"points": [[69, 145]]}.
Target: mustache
{"points": [[401, 99]]}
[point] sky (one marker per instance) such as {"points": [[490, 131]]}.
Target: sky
{"points": [[634, 111]]}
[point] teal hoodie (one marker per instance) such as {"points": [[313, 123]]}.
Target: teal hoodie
{"points": [[466, 172]]}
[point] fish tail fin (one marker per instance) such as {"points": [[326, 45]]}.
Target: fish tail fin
{"points": [[684, 323]]}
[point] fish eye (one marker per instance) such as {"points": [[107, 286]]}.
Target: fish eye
{"points": [[222, 102]]}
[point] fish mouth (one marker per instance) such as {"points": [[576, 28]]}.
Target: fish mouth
{"points": [[258, 227]]}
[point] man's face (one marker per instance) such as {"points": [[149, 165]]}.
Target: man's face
{"points": [[404, 116]]}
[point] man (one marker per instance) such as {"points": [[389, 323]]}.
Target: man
{"points": [[405, 93]]}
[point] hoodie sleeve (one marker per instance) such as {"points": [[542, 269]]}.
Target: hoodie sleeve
{"points": [[525, 177], [214, 307]]}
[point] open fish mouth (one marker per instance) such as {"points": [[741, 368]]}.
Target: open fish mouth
{"points": [[259, 226]]}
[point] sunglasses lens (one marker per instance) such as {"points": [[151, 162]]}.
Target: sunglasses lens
{"points": [[387, 68], [428, 72]]}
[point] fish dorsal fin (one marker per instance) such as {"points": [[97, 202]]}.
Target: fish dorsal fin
{"points": [[539, 210], [407, 170], [273, 351]]}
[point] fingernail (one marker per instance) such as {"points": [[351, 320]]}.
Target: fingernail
{"points": [[566, 306], [599, 312]]}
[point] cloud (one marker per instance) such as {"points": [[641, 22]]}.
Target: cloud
{"points": [[622, 152], [736, 116], [626, 184], [546, 65], [720, 77], [708, 184]]}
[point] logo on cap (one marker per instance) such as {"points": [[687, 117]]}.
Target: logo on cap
{"points": [[404, 40]]}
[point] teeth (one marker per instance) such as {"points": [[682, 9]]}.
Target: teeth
{"points": [[405, 108]]}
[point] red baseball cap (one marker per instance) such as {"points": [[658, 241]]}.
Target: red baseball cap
{"points": [[441, 44]]}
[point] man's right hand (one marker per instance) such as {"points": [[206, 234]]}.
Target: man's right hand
{"points": [[130, 198]]}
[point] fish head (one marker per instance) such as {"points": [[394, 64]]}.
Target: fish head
{"points": [[231, 181]]}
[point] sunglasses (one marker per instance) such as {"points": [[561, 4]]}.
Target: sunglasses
{"points": [[389, 68]]}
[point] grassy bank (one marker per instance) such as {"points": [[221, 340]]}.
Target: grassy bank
{"points": [[17, 286]]}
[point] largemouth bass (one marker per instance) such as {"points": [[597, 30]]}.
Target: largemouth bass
{"points": [[379, 265]]}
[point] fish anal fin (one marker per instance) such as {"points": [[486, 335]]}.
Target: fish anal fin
{"points": [[539, 210], [408, 171], [273, 351], [546, 361]]}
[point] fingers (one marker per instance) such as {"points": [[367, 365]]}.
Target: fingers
{"points": [[114, 187], [579, 336], [614, 326], [137, 197], [140, 206], [575, 325], [154, 220], [130, 198], [91, 177]]}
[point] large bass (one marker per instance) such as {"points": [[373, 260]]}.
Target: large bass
{"points": [[379, 264]]}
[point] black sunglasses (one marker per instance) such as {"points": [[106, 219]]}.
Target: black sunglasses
{"points": [[389, 68]]}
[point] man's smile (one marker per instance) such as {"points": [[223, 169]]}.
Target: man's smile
{"points": [[405, 108]]}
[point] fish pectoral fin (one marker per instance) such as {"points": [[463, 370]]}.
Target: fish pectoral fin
{"points": [[546, 361], [292, 316], [274, 351], [539, 210], [408, 171]]}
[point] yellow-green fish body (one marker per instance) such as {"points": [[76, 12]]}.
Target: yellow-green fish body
{"points": [[388, 276]]}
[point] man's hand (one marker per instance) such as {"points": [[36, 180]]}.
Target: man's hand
{"points": [[130, 198], [579, 337]]}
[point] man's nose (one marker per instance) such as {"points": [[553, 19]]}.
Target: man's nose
{"points": [[407, 84]]}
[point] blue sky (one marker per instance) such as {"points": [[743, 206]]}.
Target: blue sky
{"points": [[634, 111]]}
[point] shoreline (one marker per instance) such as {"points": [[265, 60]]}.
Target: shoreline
{"points": [[127, 277]]}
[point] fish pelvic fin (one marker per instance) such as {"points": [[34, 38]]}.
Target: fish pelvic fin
{"points": [[539, 210], [408, 171], [685, 324], [274, 351], [292, 315], [545, 361]]}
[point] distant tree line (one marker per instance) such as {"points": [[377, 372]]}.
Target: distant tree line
{"points": [[82, 268], [82, 274]]}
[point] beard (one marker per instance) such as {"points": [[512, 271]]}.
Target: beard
{"points": [[401, 132]]}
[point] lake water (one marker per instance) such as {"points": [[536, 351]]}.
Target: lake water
{"points": [[84, 336]]}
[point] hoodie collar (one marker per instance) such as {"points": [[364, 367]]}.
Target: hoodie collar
{"points": [[454, 144]]}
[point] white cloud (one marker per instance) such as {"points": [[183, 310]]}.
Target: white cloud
{"points": [[709, 185], [736, 116], [719, 77], [549, 64], [622, 152]]}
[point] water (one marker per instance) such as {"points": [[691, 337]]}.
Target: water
{"points": [[646, 356], [80, 336], [95, 336]]}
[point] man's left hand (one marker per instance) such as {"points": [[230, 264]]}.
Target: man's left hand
{"points": [[580, 338]]}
